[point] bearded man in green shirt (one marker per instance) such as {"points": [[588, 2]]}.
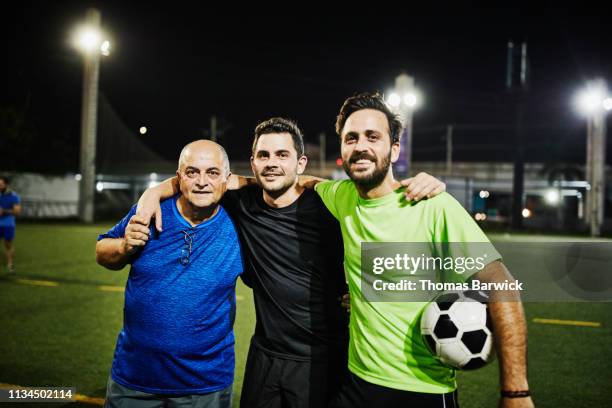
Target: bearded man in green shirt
{"points": [[388, 361]]}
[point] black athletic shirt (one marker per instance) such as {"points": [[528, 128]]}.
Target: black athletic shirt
{"points": [[294, 262]]}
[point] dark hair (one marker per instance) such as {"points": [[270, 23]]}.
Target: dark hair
{"points": [[5, 179], [281, 125], [369, 100]]}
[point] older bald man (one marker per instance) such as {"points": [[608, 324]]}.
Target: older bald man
{"points": [[176, 347]]}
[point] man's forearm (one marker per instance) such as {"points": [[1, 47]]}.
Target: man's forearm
{"points": [[236, 182], [510, 329], [112, 253], [170, 187], [307, 181], [12, 211], [166, 189], [511, 344]]}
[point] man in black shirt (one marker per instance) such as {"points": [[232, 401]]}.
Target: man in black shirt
{"points": [[293, 256], [293, 261]]}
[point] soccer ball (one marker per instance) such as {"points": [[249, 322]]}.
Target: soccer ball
{"points": [[456, 327]]}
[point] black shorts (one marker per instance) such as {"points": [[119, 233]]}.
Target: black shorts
{"points": [[358, 393], [271, 382]]}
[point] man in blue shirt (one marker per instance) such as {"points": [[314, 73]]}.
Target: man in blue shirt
{"points": [[9, 208], [177, 344]]}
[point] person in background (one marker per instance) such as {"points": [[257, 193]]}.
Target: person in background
{"points": [[10, 206]]}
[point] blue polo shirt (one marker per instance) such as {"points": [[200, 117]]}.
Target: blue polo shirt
{"points": [[7, 201], [177, 335]]}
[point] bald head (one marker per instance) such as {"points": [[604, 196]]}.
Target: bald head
{"points": [[204, 148], [202, 173]]}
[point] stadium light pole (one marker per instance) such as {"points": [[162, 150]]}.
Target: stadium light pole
{"points": [[593, 102], [88, 39], [404, 99]]}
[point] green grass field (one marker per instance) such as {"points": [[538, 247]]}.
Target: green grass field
{"points": [[64, 335]]}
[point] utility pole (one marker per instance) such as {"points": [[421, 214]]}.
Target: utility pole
{"points": [[518, 182], [89, 115], [588, 170], [449, 150], [213, 128], [596, 162], [594, 101], [322, 138], [406, 99]]}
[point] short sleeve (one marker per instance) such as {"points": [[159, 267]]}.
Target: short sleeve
{"points": [[16, 199], [454, 225], [327, 190], [118, 231], [230, 201]]}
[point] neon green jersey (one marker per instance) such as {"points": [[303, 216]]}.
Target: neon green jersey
{"points": [[386, 346]]}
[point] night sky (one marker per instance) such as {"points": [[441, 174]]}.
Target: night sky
{"points": [[171, 67]]}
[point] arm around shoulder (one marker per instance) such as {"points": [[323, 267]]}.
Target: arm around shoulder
{"points": [[307, 181]]}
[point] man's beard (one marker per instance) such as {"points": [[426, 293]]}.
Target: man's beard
{"points": [[373, 179]]}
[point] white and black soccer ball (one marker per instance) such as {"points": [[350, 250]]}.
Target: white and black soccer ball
{"points": [[456, 327]]}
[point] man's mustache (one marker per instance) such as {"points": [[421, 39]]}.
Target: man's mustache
{"points": [[274, 171], [361, 156]]}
